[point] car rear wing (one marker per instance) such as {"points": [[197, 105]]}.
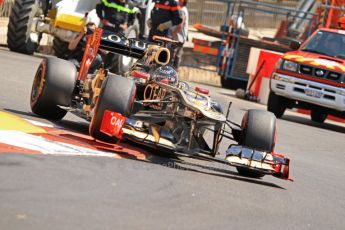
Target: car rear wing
{"points": [[111, 42], [118, 43]]}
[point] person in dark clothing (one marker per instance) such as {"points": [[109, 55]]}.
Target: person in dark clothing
{"points": [[77, 47], [164, 15], [116, 15], [142, 6]]}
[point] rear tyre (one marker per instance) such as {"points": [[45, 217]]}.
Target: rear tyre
{"points": [[258, 132], [60, 48], [117, 95], [276, 104], [318, 116], [20, 38], [53, 85]]}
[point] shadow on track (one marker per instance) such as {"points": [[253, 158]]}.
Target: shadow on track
{"points": [[304, 121], [18, 112], [307, 121], [78, 131]]}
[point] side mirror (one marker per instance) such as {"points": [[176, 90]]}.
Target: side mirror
{"points": [[294, 45]]}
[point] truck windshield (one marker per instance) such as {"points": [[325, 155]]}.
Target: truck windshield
{"points": [[327, 43]]}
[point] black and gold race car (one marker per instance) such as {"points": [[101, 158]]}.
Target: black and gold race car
{"points": [[151, 106]]}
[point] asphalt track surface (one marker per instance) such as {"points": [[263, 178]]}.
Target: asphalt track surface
{"points": [[166, 192]]}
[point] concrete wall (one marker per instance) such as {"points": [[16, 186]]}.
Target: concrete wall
{"points": [[212, 12]]}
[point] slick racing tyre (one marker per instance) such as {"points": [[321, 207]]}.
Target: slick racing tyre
{"points": [[117, 95], [20, 37], [53, 85], [258, 132]]}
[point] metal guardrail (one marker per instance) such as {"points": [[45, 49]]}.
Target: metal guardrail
{"points": [[212, 12], [255, 16]]}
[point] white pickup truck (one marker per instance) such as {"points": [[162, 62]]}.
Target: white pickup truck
{"points": [[312, 77]]}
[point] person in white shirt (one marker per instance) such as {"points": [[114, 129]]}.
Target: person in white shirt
{"points": [[180, 33]]}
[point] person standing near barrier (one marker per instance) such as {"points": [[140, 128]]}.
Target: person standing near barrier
{"points": [[115, 15], [164, 15], [180, 33]]}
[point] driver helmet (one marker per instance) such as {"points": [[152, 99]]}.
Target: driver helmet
{"points": [[166, 72]]}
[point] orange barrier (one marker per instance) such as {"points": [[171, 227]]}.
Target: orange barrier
{"points": [[205, 46], [206, 50], [260, 86]]}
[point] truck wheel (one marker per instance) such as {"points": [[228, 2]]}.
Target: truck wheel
{"points": [[114, 98], [53, 85], [258, 132], [276, 104], [20, 38], [318, 116], [122, 63], [60, 48]]}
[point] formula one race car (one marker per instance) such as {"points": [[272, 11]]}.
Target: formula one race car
{"points": [[151, 106]]}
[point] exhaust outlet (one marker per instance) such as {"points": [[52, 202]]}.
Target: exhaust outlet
{"points": [[162, 56]]}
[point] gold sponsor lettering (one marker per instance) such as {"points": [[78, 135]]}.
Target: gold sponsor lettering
{"points": [[154, 92]]}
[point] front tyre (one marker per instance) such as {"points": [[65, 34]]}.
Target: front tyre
{"points": [[258, 132], [53, 85], [117, 95]]}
